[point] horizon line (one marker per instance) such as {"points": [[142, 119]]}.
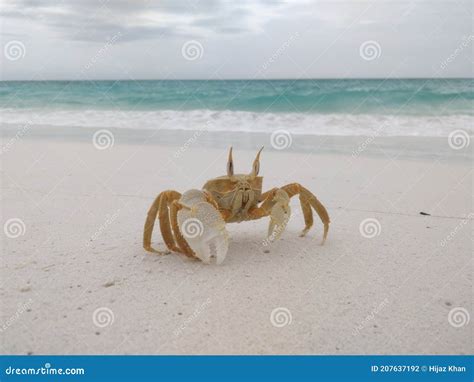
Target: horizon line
{"points": [[242, 79]]}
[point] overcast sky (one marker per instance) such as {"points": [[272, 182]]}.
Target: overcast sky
{"points": [[115, 39]]}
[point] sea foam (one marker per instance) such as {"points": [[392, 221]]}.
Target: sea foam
{"points": [[243, 121]]}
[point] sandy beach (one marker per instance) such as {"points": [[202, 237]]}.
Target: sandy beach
{"points": [[75, 279]]}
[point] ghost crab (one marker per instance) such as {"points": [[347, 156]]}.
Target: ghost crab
{"points": [[194, 223]]}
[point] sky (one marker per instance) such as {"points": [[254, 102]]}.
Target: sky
{"points": [[225, 39]]}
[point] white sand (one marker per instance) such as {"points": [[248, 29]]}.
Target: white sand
{"points": [[84, 209]]}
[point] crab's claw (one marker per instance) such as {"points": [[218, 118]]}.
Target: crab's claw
{"points": [[203, 227], [279, 215]]}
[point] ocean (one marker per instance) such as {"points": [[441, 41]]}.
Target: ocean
{"points": [[352, 107]]}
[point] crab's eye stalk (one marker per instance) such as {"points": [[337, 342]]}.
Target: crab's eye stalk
{"points": [[230, 164], [256, 164]]}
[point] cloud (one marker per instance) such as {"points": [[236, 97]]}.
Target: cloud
{"points": [[93, 20], [62, 36]]}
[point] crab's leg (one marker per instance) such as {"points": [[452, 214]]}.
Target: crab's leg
{"points": [[305, 207], [265, 208], [183, 245], [268, 195], [307, 200], [160, 207], [165, 222], [150, 223], [306, 197], [275, 203], [308, 215]]}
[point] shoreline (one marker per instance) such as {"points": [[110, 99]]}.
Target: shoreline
{"points": [[423, 148]]}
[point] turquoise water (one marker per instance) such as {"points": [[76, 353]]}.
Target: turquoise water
{"points": [[338, 107], [311, 96]]}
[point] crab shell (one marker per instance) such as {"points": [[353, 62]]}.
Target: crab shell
{"points": [[236, 193]]}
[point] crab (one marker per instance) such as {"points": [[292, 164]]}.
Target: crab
{"points": [[193, 223]]}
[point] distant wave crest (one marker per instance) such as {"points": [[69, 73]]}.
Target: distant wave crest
{"points": [[392, 96], [243, 121]]}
